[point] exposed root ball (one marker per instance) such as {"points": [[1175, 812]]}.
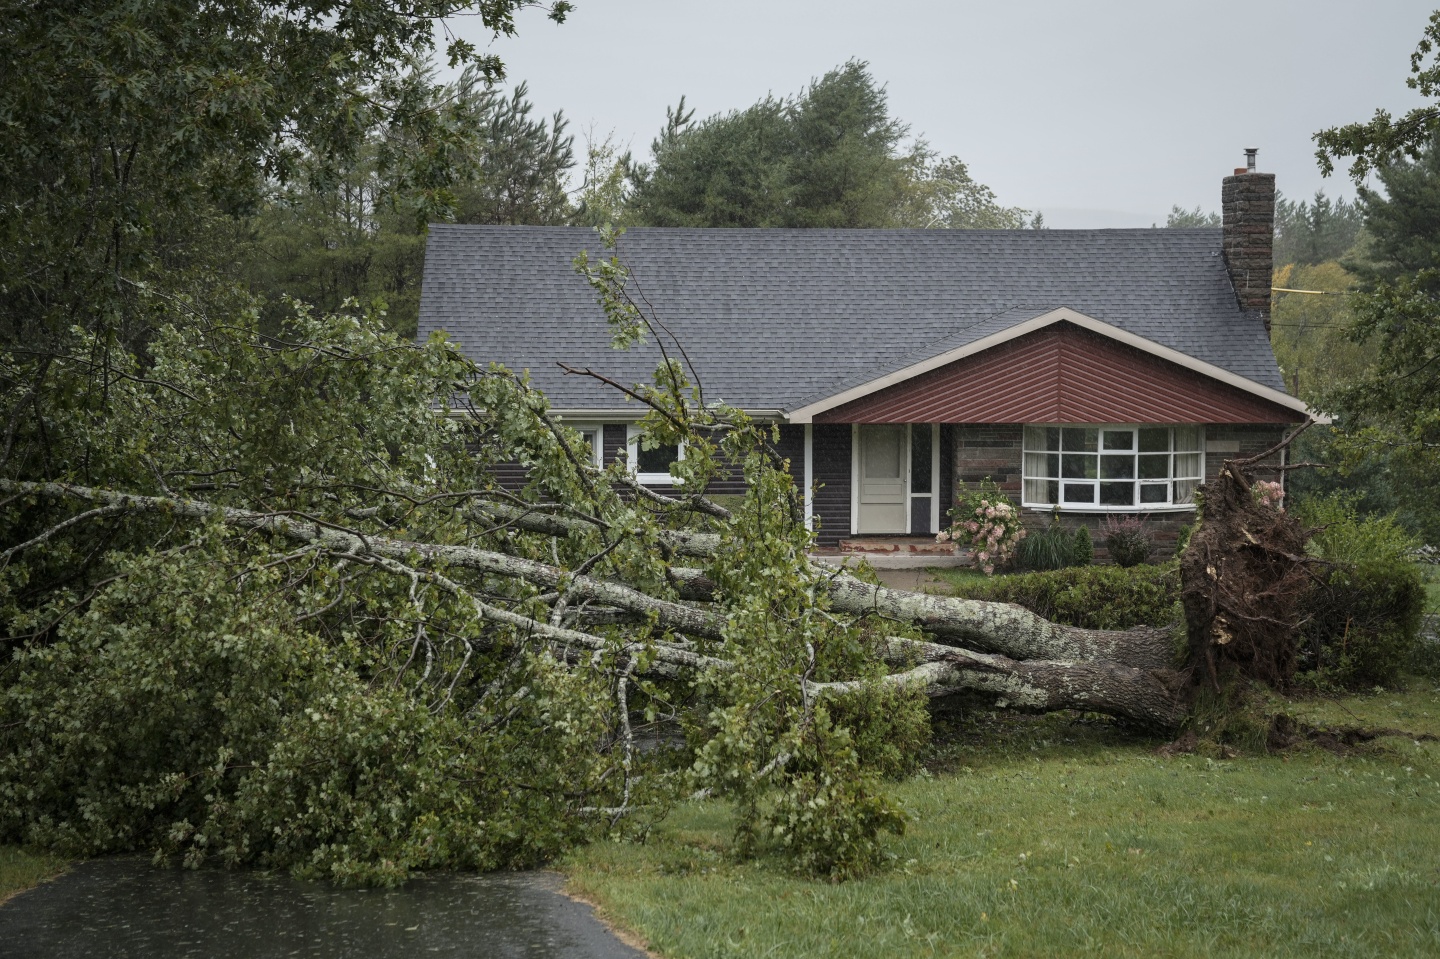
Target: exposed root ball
{"points": [[1243, 576]]}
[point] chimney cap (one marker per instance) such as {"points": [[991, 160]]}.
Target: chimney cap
{"points": [[1250, 158]]}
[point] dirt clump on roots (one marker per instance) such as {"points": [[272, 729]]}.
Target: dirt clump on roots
{"points": [[1243, 577]]}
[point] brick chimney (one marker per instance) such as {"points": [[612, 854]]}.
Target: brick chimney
{"points": [[1247, 207]]}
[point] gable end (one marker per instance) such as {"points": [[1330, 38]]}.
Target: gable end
{"points": [[1063, 373]]}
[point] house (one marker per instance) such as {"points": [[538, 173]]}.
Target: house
{"points": [[1093, 371]]}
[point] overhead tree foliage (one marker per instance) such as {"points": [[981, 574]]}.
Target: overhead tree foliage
{"points": [[131, 127], [831, 156], [1386, 139]]}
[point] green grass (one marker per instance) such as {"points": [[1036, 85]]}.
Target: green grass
{"points": [[19, 870], [961, 580], [1049, 836]]}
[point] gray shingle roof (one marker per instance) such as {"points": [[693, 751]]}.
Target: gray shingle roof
{"points": [[773, 319]]}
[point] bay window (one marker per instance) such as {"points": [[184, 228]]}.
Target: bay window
{"points": [[1112, 468]]}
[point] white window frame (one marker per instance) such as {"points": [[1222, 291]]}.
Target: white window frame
{"points": [[632, 453], [1096, 506], [597, 447]]}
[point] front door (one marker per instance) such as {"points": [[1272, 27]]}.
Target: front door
{"points": [[884, 481]]}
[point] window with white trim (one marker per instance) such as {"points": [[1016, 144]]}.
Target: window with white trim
{"points": [[652, 466], [1113, 468], [593, 435]]}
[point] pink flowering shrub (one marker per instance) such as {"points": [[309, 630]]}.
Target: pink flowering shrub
{"points": [[987, 520], [1269, 494]]}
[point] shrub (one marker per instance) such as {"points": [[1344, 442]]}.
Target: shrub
{"points": [[987, 519], [1093, 597], [1183, 539], [1128, 540], [1082, 550], [1365, 611]]}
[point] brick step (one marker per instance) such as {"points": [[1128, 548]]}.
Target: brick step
{"points": [[897, 545]]}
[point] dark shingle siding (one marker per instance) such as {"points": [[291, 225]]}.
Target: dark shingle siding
{"points": [[830, 449], [773, 318]]}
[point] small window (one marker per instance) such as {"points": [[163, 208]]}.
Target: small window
{"points": [[652, 466], [1112, 468], [658, 459], [593, 436]]}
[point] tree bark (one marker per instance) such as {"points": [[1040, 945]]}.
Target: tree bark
{"points": [[1152, 697], [1002, 628]]}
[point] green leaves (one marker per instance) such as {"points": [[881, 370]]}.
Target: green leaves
{"points": [[135, 131], [1386, 139]]}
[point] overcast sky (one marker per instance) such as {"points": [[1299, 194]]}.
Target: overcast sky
{"points": [[1099, 113]]}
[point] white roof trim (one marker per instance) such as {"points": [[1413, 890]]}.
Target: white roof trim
{"points": [[619, 415], [807, 414]]}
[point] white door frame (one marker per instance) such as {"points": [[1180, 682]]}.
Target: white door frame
{"points": [[933, 495], [810, 477]]}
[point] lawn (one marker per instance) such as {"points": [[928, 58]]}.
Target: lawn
{"points": [[1063, 836], [19, 870], [961, 580]]}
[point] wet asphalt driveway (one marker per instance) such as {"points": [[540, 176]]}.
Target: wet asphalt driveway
{"points": [[124, 908]]}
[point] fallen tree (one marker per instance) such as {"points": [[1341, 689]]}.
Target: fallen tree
{"points": [[265, 602], [1023, 665]]}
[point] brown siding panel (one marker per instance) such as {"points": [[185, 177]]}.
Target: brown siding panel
{"points": [[1061, 374], [510, 476]]}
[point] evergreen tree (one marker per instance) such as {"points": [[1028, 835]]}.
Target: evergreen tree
{"points": [[522, 164], [829, 157], [843, 166], [1403, 220], [1315, 232], [1180, 218]]}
